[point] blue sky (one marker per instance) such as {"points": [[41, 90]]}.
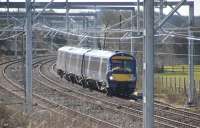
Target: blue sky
{"points": [[182, 10]]}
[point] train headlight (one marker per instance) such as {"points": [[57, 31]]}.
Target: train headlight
{"points": [[111, 78]]}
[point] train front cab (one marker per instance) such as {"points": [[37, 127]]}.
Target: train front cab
{"points": [[122, 74]]}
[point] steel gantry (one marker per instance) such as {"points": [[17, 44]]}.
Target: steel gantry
{"points": [[149, 30], [87, 5]]}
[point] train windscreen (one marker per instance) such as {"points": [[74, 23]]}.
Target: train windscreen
{"points": [[119, 63]]}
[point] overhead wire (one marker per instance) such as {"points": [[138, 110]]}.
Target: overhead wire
{"points": [[43, 10], [125, 38], [93, 37], [13, 36], [123, 21], [183, 36], [166, 53]]}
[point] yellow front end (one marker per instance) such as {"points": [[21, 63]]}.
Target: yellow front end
{"points": [[122, 77]]}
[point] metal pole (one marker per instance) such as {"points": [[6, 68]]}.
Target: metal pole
{"points": [[67, 16], [52, 40], [28, 97], [7, 13], [120, 27], [161, 9], [67, 19], [95, 28], [34, 10], [132, 24], [148, 66], [160, 18], [191, 88], [23, 64], [86, 29], [52, 37], [35, 42], [15, 42], [138, 17], [84, 24]]}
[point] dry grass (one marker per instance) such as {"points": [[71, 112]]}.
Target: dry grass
{"points": [[12, 119], [168, 95], [165, 94]]}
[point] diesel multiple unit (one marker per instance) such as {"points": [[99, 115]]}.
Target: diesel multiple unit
{"points": [[109, 71]]}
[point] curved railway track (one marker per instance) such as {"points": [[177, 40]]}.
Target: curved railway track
{"points": [[92, 108], [158, 105], [166, 116], [47, 92], [49, 104], [174, 117]]}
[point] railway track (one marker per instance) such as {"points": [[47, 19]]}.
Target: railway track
{"points": [[91, 108], [53, 106], [178, 118], [52, 91], [163, 122], [158, 105]]}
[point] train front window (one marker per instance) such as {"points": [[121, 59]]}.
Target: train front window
{"points": [[122, 65]]}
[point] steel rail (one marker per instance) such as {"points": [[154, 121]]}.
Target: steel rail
{"points": [[54, 103], [95, 99], [117, 105], [79, 98], [161, 108]]}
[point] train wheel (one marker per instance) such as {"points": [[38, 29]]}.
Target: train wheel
{"points": [[72, 78], [66, 77], [90, 84], [83, 83], [109, 92]]}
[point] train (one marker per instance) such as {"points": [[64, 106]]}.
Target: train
{"points": [[113, 72]]}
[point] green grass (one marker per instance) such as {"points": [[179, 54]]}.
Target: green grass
{"points": [[179, 72], [171, 84]]}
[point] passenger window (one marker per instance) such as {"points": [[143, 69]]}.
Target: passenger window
{"points": [[104, 68], [94, 64]]}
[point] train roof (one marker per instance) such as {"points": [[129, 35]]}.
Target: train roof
{"points": [[75, 50], [90, 52], [100, 53]]}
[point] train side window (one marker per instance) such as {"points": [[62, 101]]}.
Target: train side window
{"points": [[79, 62], [104, 68], [73, 63], [76, 63], [58, 60], [69, 61], [85, 66], [94, 66], [62, 63]]}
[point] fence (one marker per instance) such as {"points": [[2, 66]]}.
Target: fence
{"points": [[175, 84]]}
